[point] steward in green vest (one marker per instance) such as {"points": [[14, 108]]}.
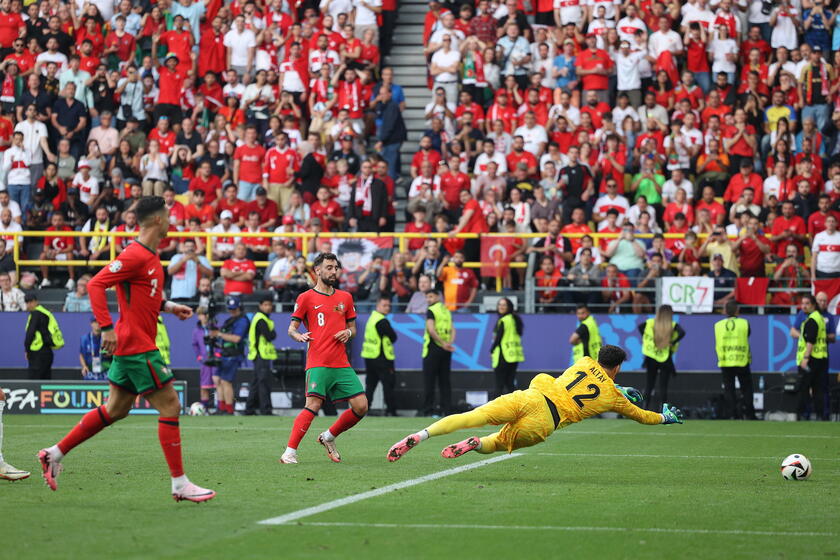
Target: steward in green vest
{"points": [[506, 350], [43, 335], [162, 341], [261, 351], [586, 340], [812, 359], [660, 339], [437, 355], [378, 352], [732, 344]]}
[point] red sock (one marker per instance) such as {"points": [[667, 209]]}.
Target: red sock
{"points": [[169, 434], [300, 427], [90, 425], [229, 407], [347, 420]]}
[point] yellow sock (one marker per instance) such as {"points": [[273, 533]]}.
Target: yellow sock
{"points": [[472, 419], [488, 444]]}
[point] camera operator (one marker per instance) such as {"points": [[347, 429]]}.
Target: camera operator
{"points": [[262, 353], [232, 341]]}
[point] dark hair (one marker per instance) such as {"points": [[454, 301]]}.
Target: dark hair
{"points": [[325, 257], [148, 206], [810, 298], [582, 306], [265, 298], [611, 356], [731, 308]]}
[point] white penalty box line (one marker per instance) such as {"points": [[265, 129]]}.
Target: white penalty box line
{"points": [[327, 506], [572, 528]]}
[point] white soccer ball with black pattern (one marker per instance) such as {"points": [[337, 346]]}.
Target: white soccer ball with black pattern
{"points": [[197, 409], [796, 467]]}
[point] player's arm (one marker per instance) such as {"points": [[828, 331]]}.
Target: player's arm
{"points": [[294, 334], [180, 311], [627, 409]]}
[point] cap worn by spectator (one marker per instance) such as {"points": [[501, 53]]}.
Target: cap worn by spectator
{"points": [[226, 215], [83, 164], [717, 256], [288, 220], [233, 302], [261, 191]]}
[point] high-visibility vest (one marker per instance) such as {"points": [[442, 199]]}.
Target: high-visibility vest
{"points": [[595, 343], [443, 326], [52, 327], [732, 342], [375, 345], [820, 350], [649, 348], [510, 347], [263, 347], [162, 341]]}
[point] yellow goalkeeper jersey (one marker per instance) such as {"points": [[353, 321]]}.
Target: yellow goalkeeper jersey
{"points": [[585, 390]]}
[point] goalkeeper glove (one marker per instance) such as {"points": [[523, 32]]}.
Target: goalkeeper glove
{"points": [[671, 414], [633, 395]]}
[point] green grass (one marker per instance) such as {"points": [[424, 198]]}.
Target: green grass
{"points": [[113, 499]]}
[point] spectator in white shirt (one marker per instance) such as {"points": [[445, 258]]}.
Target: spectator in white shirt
{"points": [[9, 214], [665, 39], [724, 52], [630, 24], [825, 251], [11, 298], [366, 11], [240, 44], [629, 79], [534, 135], [677, 181], [86, 184], [35, 143], [16, 171], [444, 68], [223, 246]]}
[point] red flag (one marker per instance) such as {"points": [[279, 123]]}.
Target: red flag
{"points": [[751, 291], [495, 255], [831, 287], [666, 62]]}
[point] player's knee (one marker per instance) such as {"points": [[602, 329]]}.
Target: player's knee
{"points": [[118, 413], [313, 404], [360, 409]]}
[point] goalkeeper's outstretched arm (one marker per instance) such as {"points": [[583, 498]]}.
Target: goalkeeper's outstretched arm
{"points": [[669, 415]]}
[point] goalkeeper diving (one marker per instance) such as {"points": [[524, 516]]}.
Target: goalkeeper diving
{"points": [[549, 403]]}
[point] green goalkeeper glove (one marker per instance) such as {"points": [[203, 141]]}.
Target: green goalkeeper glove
{"points": [[671, 414], [633, 395]]}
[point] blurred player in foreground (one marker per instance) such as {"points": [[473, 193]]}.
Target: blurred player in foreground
{"points": [[7, 471], [137, 367], [330, 318], [549, 403]]}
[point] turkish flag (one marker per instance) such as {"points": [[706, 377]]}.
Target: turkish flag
{"points": [[831, 286], [751, 291], [495, 255]]}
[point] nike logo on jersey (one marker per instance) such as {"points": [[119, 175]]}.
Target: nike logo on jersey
{"points": [[151, 271], [317, 306]]}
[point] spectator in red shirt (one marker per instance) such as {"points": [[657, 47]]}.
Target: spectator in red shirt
{"points": [[248, 165], [239, 272], [593, 67], [425, 153], [419, 225], [57, 249], [452, 182], [547, 277], [788, 229], [327, 210], [577, 226], [816, 221], [177, 212], [615, 289], [751, 249], [205, 181], [716, 211], [746, 178], [170, 84], [258, 247], [238, 209], [265, 208], [198, 209], [472, 221]]}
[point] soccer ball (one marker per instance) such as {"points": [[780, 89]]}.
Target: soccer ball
{"points": [[197, 409], [796, 467]]}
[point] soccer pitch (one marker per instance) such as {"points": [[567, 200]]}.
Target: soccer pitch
{"points": [[600, 489]]}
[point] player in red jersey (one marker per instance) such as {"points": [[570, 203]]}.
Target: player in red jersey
{"points": [[329, 315], [137, 367]]}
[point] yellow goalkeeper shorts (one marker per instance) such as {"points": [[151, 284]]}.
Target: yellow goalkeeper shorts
{"points": [[526, 417]]}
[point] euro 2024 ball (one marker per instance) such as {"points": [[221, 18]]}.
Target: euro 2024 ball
{"points": [[197, 409], [796, 467]]}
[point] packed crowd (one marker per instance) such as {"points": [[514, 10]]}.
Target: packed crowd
{"points": [[717, 123]]}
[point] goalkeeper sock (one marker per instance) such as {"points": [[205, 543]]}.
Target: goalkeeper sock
{"points": [[300, 427], [423, 434], [91, 424], [169, 434], [347, 420]]}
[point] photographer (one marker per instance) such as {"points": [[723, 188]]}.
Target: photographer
{"points": [[232, 341], [262, 352]]}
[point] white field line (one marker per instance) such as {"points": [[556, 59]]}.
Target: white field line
{"points": [[653, 456], [735, 532], [327, 506], [650, 433]]}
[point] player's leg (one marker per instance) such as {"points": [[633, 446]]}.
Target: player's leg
{"points": [[302, 423], [120, 400], [498, 411], [7, 471], [166, 402], [345, 386]]}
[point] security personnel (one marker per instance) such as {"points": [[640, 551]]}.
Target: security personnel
{"points": [[586, 340], [378, 352], [232, 336], [437, 354], [42, 337], [812, 357], [732, 344], [261, 351], [506, 350], [162, 341], [661, 336]]}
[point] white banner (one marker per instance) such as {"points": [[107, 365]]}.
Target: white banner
{"points": [[689, 294]]}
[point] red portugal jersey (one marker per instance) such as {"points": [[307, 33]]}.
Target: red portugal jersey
{"points": [[324, 316], [138, 277]]}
